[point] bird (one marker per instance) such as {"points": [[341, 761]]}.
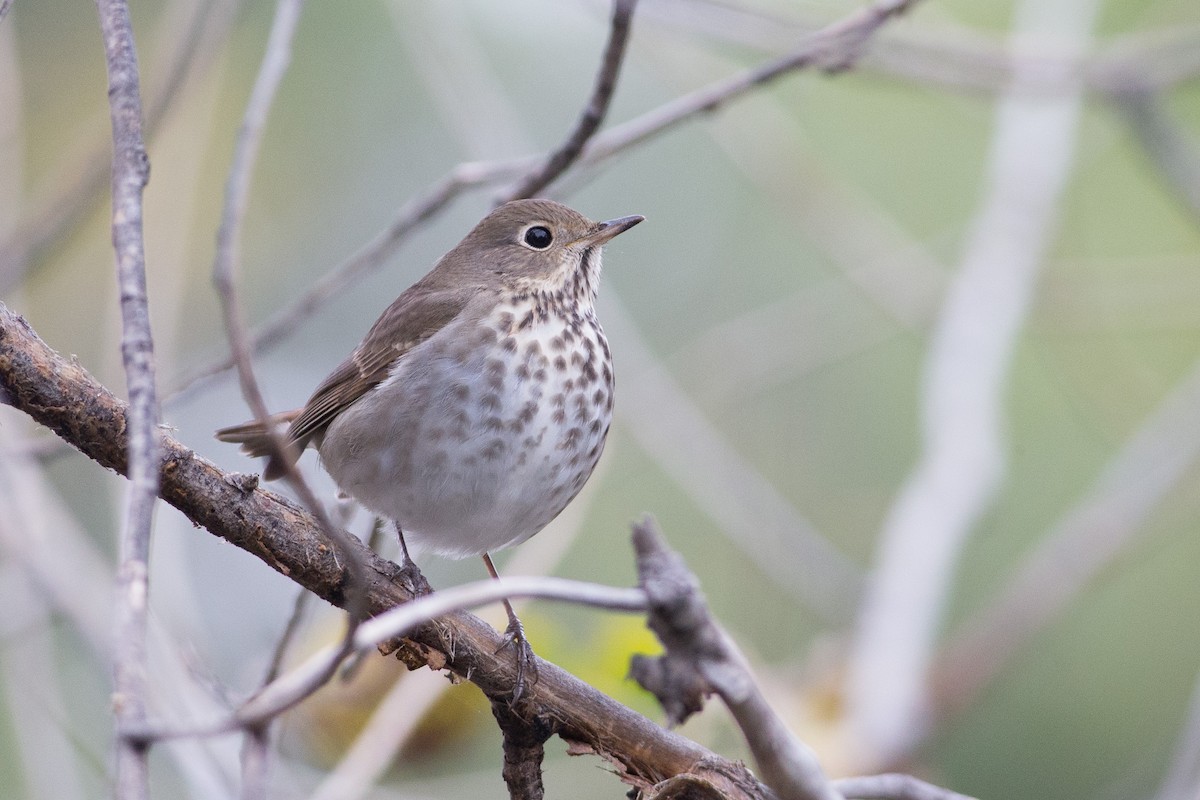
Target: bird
{"points": [[478, 404]]}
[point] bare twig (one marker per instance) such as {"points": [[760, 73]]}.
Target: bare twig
{"points": [[237, 191], [275, 61], [593, 113], [963, 454], [835, 46], [293, 687], [130, 172], [369, 258], [964, 60], [702, 659], [285, 639]]}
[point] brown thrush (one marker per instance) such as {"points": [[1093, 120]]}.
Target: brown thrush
{"points": [[477, 405]]}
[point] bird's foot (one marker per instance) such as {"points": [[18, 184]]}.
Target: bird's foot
{"points": [[527, 669]]}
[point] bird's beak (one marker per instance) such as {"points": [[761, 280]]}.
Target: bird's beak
{"points": [[608, 229]]}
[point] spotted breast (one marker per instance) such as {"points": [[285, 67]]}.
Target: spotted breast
{"points": [[481, 435]]}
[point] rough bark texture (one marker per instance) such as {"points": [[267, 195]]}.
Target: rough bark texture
{"points": [[61, 395]]}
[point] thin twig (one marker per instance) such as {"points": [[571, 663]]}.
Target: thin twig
{"points": [[255, 754], [593, 113], [820, 49], [702, 659], [293, 687], [963, 453], [835, 47], [299, 605], [130, 172], [370, 257]]}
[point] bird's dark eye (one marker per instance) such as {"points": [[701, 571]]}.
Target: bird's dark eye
{"points": [[539, 237]]}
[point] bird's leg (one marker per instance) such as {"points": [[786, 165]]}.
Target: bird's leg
{"points": [[403, 546], [515, 635], [409, 574]]}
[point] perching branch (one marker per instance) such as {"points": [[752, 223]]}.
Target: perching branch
{"points": [[61, 395], [702, 659]]}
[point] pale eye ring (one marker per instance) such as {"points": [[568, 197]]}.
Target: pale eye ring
{"points": [[538, 237]]}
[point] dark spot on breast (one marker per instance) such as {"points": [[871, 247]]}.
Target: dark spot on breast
{"points": [[559, 400], [599, 396], [557, 343], [509, 344], [526, 321], [460, 392], [493, 424], [559, 416], [594, 428], [490, 401], [506, 320], [567, 336], [560, 363], [577, 358], [532, 349], [523, 372], [540, 375], [495, 449], [571, 437]]}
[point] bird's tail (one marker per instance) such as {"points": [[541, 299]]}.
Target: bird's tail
{"points": [[255, 439]]}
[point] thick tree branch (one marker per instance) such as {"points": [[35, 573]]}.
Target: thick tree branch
{"points": [[61, 395]]}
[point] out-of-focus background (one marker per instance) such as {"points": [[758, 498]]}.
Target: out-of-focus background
{"points": [[908, 364]]}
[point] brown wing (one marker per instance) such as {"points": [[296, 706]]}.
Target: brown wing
{"points": [[415, 316]]}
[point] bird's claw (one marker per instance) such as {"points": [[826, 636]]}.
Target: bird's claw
{"points": [[514, 636]]}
